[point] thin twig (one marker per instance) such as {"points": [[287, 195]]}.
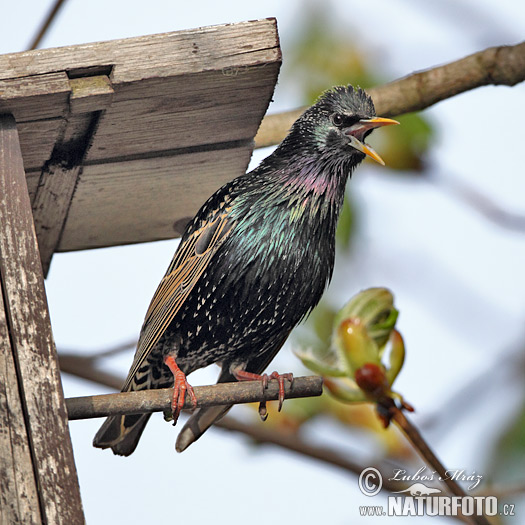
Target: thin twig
{"points": [[46, 24], [146, 401], [85, 367], [480, 202], [292, 442], [502, 65], [426, 452], [413, 434], [116, 349]]}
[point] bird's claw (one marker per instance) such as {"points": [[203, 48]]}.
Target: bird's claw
{"points": [[180, 387], [280, 378], [242, 375], [263, 411]]}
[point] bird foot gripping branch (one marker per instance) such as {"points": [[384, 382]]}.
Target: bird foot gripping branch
{"points": [[180, 387], [242, 375]]}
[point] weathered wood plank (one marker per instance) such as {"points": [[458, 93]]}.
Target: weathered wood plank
{"points": [[58, 181], [32, 184], [37, 140], [161, 55], [187, 111], [192, 84], [32, 341], [18, 491], [90, 94], [188, 94], [173, 187], [36, 97], [51, 205]]}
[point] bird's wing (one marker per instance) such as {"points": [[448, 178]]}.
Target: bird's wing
{"points": [[192, 257]]}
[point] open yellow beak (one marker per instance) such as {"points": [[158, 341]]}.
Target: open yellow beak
{"points": [[361, 127]]}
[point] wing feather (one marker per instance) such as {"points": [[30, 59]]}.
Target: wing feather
{"points": [[190, 260]]}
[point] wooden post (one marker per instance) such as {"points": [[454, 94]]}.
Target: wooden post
{"points": [[38, 479]]}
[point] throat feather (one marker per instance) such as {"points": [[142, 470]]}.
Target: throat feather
{"points": [[314, 193]]}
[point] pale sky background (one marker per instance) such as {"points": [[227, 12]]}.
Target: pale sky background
{"points": [[457, 277]]}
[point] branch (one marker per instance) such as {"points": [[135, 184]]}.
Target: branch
{"points": [[146, 401], [426, 452], [116, 349], [84, 367], [292, 442], [45, 24], [480, 202], [413, 434], [502, 65]]}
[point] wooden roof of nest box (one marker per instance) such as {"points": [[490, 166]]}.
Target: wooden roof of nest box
{"points": [[123, 140]]}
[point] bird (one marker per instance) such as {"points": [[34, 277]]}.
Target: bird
{"points": [[253, 263]]}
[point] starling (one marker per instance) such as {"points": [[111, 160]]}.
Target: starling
{"points": [[252, 263]]}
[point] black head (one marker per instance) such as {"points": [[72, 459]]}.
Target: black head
{"points": [[338, 123]]}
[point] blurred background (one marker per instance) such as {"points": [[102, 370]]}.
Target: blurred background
{"points": [[442, 226]]}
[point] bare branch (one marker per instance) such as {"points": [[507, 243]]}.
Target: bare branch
{"points": [[502, 65], [116, 349], [85, 367], [147, 401], [483, 204], [75, 365], [46, 24], [292, 441], [415, 437], [426, 452]]}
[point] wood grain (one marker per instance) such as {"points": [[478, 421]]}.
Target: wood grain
{"points": [[18, 491], [153, 56], [35, 98], [50, 207], [37, 140], [191, 110], [141, 200], [31, 341], [58, 181], [90, 94], [123, 139]]}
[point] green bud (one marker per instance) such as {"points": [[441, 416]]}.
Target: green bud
{"points": [[374, 307], [355, 345]]}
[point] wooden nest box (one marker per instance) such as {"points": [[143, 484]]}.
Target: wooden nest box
{"points": [[103, 144]]}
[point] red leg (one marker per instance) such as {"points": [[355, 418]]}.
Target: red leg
{"points": [[180, 386], [242, 375]]}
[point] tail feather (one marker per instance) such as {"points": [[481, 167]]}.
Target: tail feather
{"points": [[121, 433], [200, 421], [203, 418]]}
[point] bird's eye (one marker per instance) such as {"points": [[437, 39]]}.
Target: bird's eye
{"points": [[337, 119]]}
